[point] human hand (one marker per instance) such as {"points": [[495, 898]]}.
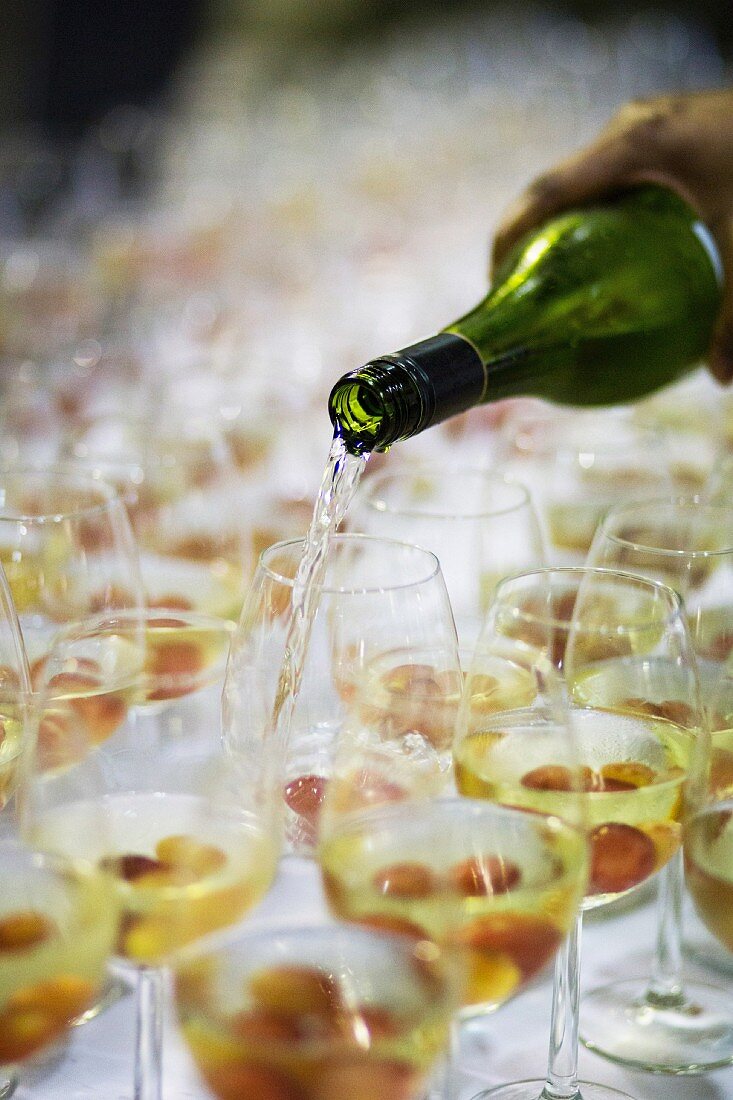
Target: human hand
{"points": [[684, 142]]}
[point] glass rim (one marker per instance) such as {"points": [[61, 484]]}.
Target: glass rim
{"points": [[128, 621], [634, 580], [96, 470], [232, 939], [59, 863], [464, 804], [413, 512], [65, 478], [556, 423], [344, 538], [640, 507], [79, 628], [154, 460]]}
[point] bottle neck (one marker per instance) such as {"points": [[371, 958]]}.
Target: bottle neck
{"points": [[398, 395], [449, 373]]}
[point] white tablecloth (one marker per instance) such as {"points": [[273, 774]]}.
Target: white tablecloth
{"points": [[98, 1060]]}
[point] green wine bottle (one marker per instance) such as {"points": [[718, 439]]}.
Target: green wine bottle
{"points": [[600, 306]]}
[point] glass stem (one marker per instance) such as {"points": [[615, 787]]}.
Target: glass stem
{"points": [[149, 1036], [562, 1062], [665, 985]]}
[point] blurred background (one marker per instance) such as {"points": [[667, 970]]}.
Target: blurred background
{"points": [[237, 200], [66, 62]]}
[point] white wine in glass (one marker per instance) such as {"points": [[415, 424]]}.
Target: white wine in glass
{"points": [[316, 1013], [497, 885], [377, 596], [187, 830], [623, 647], [667, 1021], [59, 919], [67, 549]]}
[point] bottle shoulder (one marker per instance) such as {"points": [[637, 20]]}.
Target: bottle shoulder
{"points": [[644, 253]]}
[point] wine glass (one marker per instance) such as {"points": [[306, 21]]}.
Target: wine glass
{"points": [[377, 594], [480, 525], [49, 298], [67, 550], [59, 918], [719, 486], [67, 546], [183, 495], [708, 843], [326, 1011], [690, 416], [14, 695], [622, 645], [30, 424], [666, 1022], [708, 838], [399, 849], [579, 463], [14, 698], [188, 829]]}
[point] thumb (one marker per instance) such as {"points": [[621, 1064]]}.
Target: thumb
{"points": [[721, 349]]}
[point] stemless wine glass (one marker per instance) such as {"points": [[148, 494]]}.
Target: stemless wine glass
{"points": [[59, 918], [67, 549], [497, 885], [377, 594], [622, 644], [188, 830], [328, 1012], [664, 1022], [579, 463], [480, 525]]}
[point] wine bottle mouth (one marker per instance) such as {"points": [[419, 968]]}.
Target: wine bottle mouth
{"points": [[373, 407], [357, 413], [399, 395]]}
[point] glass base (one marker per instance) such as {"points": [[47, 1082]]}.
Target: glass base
{"points": [[621, 1023], [536, 1090]]}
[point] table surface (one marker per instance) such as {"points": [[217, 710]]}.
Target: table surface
{"points": [[512, 1044]]}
